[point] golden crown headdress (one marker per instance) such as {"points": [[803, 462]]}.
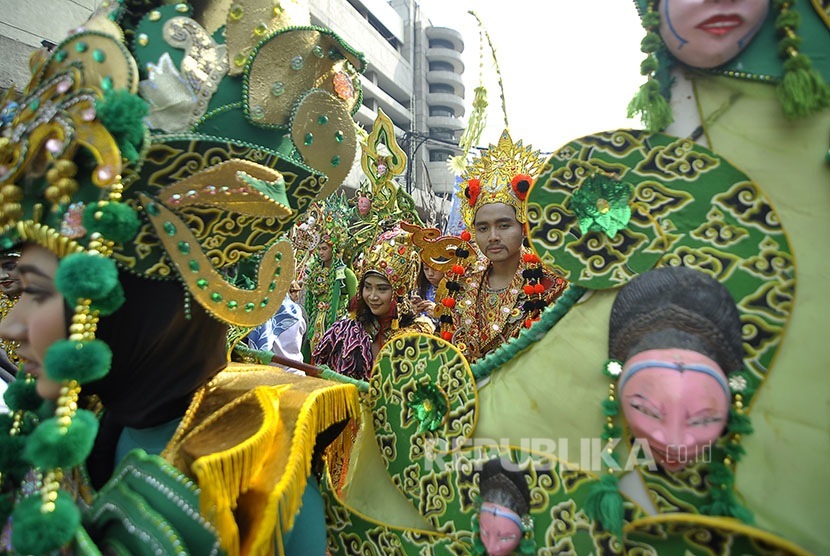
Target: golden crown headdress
{"points": [[395, 257], [502, 173]]}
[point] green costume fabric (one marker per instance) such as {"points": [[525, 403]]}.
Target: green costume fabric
{"points": [[788, 161]]}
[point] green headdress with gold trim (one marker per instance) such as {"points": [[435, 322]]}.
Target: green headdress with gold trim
{"points": [[174, 141]]}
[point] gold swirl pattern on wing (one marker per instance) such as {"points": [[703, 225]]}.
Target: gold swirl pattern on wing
{"points": [[745, 202], [677, 160], [717, 232]]}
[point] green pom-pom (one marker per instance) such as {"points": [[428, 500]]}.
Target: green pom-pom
{"points": [[653, 108], [110, 303], [83, 276], [802, 91], [36, 532], [115, 221], [605, 504], [50, 445], [81, 361], [122, 113], [11, 457], [22, 395]]}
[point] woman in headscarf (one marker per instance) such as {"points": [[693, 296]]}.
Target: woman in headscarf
{"points": [[381, 310]]}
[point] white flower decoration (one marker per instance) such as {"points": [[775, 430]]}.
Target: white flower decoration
{"points": [[737, 383]]}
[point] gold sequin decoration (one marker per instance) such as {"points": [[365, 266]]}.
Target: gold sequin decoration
{"points": [[316, 72], [249, 21]]}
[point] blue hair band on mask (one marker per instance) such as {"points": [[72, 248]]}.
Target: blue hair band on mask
{"points": [[697, 367], [498, 511]]}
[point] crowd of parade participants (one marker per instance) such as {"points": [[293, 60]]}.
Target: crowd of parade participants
{"points": [[211, 347]]}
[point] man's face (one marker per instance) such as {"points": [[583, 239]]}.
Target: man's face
{"points": [[497, 232]]}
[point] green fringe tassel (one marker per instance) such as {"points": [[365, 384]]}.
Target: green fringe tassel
{"points": [[802, 90], [605, 504], [653, 108]]}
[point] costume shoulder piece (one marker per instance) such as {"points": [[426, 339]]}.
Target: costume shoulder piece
{"points": [[248, 441]]}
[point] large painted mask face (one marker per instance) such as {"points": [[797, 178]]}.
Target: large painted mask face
{"points": [[677, 401], [707, 34], [499, 533]]}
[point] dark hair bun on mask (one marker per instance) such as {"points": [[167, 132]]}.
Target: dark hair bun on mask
{"points": [[676, 307]]}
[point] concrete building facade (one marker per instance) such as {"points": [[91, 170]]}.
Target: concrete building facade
{"points": [[415, 75]]}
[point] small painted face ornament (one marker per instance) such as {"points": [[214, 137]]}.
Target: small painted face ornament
{"points": [[677, 400], [707, 34], [364, 205]]}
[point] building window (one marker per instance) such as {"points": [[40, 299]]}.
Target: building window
{"points": [[441, 133], [441, 43], [441, 111], [441, 88], [439, 156], [441, 66]]}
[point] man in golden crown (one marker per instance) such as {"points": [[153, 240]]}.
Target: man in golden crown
{"points": [[505, 291]]}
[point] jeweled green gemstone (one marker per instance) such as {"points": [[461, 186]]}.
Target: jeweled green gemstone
{"points": [[309, 139], [249, 307], [98, 55], [278, 271], [34, 105], [264, 302], [217, 297], [81, 46], [257, 112], [335, 161], [106, 83], [317, 50], [60, 56], [169, 228], [338, 136], [272, 286], [194, 265], [322, 119], [232, 305], [278, 257], [297, 63], [184, 247], [201, 283]]}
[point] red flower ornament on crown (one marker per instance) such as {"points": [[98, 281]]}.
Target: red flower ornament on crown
{"points": [[473, 191], [520, 184]]}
